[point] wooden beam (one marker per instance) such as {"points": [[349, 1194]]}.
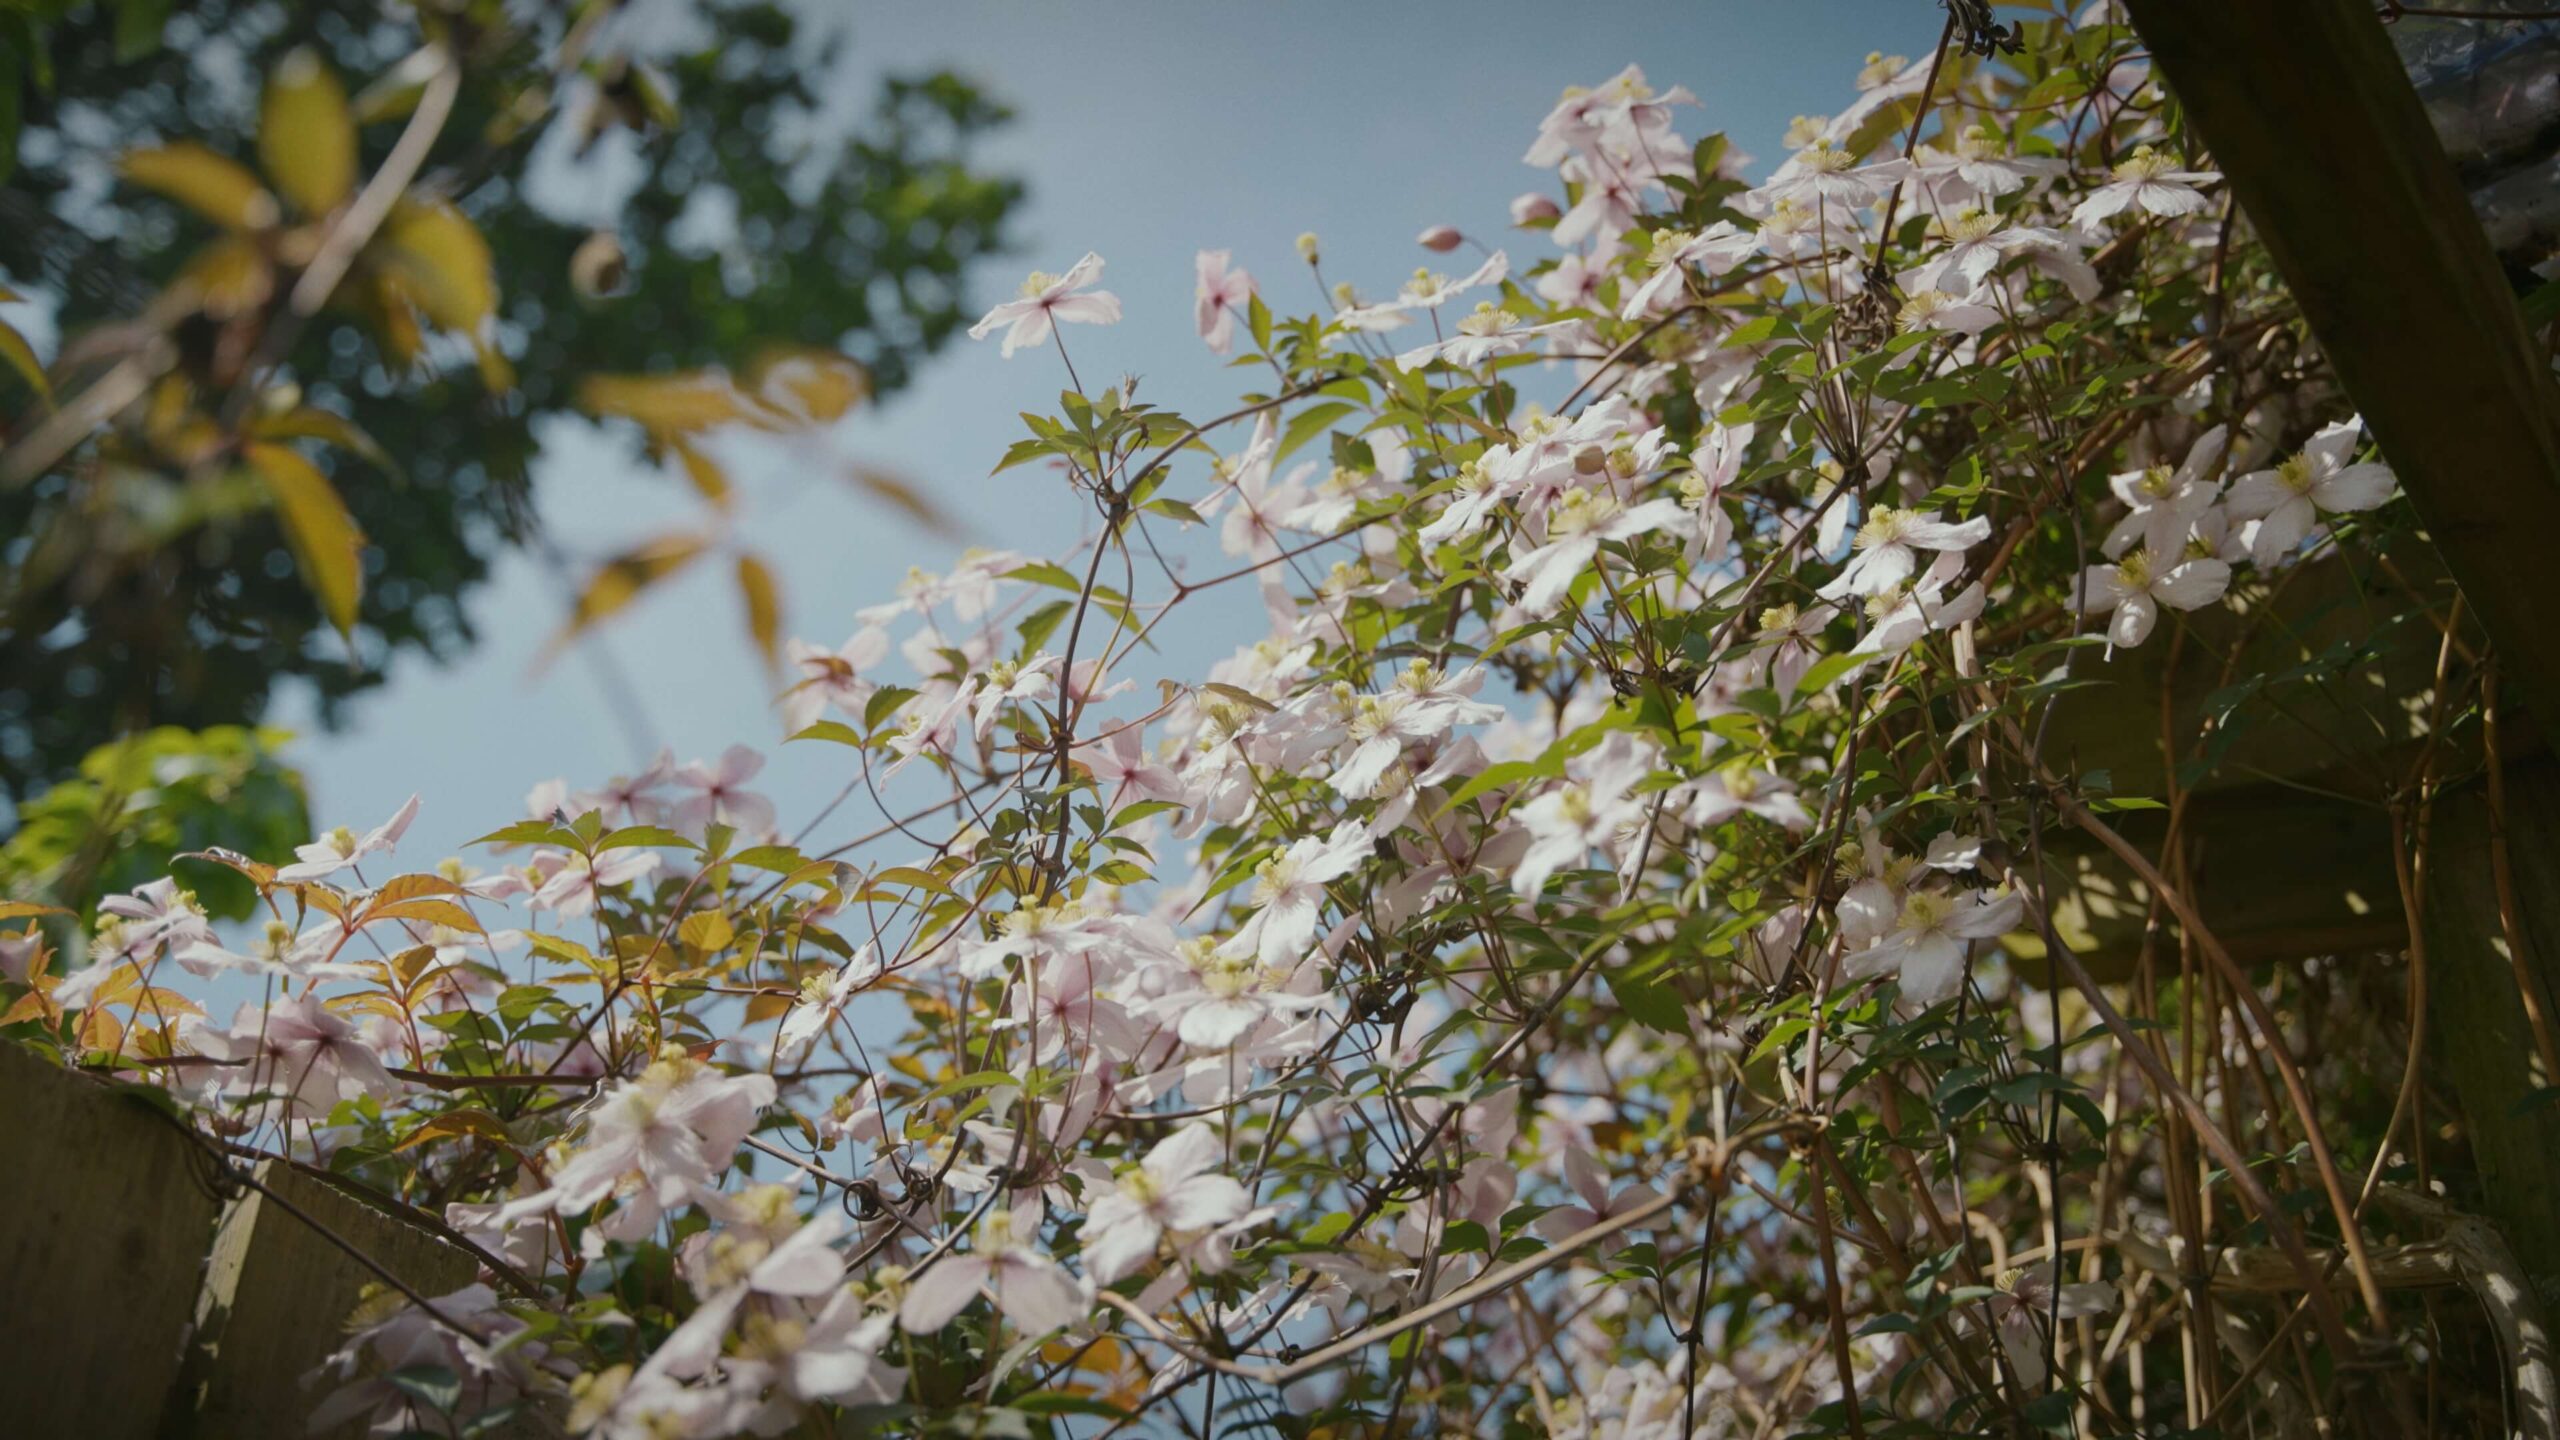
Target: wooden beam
{"points": [[2306, 110]]}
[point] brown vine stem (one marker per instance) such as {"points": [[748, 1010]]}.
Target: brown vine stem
{"points": [[1709, 1170], [2238, 979], [2503, 874]]}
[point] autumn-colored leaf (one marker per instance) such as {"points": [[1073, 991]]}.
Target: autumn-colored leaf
{"points": [[441, 263], [706, 930], [24, 909], [427, 912], [620, 580], [229, 277], [453, 1124], [806, 386], [306, 137], [709, 480], [665, 405], [21, 357], [881, 485], [306, 423], [323, 535], [213, 185], [764, 608]]}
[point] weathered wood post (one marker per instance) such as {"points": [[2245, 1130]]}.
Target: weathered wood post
{"points": [[105, 1211], [2331, 158]]}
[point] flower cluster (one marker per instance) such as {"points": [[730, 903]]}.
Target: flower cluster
{"points": [[1571, 914]]}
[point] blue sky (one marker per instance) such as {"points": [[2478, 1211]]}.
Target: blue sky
{"points": [[1145, 132]]}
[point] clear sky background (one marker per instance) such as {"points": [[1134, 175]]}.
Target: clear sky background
{"points": [[1145, 133]]}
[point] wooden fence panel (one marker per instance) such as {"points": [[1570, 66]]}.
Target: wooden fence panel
{"points": [[276, 1297], [105, 1212]]}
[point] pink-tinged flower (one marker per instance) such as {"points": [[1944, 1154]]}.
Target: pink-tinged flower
{"points": [[297, 1050], [574, 887], [823, 998], [634, 798], [2287, 500], [1581, 520], [1903, 616], [1714, 250], [1175, 1188], [1599, 1202], [492, 1363], [1978, 240], [2162, 505], [2027, 1302], [1046, 298], [659, 1141], [1824, 174], [831, 678], [1120, 764], [2133, 589], [1425, 291], [1887, 549], [1032, 1290], [720, 795], [1231, 995], [1289, 893], [1978, 165], [2146, 180], [342, 847], [1011, 682], [1742, 790], [1938, 310], [1593, 805], [1930, 938], [1440, 239], [1487, 332], [1221, 291], [156, 913]]}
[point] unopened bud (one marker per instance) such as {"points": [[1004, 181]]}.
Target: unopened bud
{"points": [[1440, 239], [1534, 209], [598, 267]]}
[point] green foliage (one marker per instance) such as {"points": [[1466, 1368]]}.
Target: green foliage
{"points": [[139, 801], [134, 595]]}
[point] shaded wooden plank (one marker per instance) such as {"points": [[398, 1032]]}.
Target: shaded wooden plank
{"points": [[2481, 1040], [2328, 151], [105, 1213], [276, 1297]]}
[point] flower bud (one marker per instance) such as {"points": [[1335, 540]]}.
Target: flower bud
{"points": [[1307, 247], [598, 267], [1534, 209], [1440, 239]]}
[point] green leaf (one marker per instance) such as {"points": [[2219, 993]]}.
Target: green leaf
{"points": [[1307, 424]]}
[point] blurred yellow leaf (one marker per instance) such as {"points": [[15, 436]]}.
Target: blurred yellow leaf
{"points": [[666, 406], [213, 185], [305, 423], [24, 909], [21, 357], [620, 580], [228, 277], [808, 386], [764, 608], [439, 261], [708, 478], [882, 485], [323, 535], [306, 138]]}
